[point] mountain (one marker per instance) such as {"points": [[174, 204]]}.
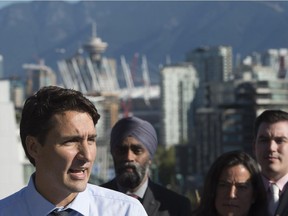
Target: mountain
{"points": [[33, 30]]}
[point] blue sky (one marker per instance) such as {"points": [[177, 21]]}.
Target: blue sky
{"points": [[5, 3]]}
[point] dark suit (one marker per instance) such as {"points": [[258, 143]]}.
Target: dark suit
{"points": [[159, 201], [282, 209]]}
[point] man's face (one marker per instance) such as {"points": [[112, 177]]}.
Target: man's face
{"points": [[131, 162], [271, 149], [64, 161]]}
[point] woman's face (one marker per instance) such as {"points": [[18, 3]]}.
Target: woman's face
{"points": [[234, 193]]}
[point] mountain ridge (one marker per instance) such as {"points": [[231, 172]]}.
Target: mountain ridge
{"points": [[34, 30]]}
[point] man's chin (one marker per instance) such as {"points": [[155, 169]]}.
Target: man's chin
{"points": [[128, 181], [126, 172]]}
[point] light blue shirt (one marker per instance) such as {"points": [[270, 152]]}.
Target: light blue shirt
{"points": [[94, 201]]}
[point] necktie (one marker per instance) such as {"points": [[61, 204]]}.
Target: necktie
{"points": [[60, 213], [135, 196], [274, 198]]}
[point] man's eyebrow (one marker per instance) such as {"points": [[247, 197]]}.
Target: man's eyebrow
{"points": [[280, 137], [92, 135], [79, 136], [273, 137]]}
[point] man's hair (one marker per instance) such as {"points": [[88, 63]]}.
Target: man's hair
{"points": [[44, 104], [269, 116]]}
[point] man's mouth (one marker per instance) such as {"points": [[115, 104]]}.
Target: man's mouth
{"points": [[78, 174], [129, 169], [77, 170], [126, 168]]}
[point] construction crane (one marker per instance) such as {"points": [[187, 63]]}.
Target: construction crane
{"points": [[146, 80], [133, 66], [126, 102]]}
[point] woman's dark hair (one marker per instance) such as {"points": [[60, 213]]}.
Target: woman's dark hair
{"points": [[226, 160], [48, 101]]}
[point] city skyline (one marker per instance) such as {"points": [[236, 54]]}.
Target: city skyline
{"points": [[39, 29]]}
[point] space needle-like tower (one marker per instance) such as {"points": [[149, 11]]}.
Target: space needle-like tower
{"points": [[95, 46]]}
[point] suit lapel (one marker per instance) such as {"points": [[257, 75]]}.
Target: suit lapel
{"points": [[150, 204], [283, 204], [111, 185]]}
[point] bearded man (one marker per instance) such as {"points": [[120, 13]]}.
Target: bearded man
{"points": [[133, 143]]}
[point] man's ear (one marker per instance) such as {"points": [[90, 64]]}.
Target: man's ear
{"points": [[32, 146]]}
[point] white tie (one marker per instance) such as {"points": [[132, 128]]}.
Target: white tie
{"points": [[274, 198]]}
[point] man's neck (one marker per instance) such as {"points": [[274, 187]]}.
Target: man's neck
{"points": [[57, 198]]}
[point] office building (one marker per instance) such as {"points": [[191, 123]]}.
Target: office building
{"points": [[11, 153], [178, 85], [213, 64], [38, 76]]}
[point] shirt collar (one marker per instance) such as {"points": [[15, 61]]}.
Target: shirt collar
{"points": [[81, 202], [280, 183], [44, 207], [32, 196]]}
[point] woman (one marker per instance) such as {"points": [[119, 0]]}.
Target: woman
{"points": [[233, 187]]}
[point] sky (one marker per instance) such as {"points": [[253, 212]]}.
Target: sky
{"points": [[5, 3]]}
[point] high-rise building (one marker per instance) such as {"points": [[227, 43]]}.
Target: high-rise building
{"points": [[178, 85], [213, 64], [11, 153], [277, 59], [17, 92], [38, 76]]}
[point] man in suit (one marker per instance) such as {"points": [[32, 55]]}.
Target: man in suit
{"points": [[133, 144], [271, 149]]}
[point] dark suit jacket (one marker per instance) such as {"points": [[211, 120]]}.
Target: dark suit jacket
{"points": [[282, 209], [159, 201]]}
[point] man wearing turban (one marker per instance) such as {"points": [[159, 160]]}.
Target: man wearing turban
{"points": [[133, 143]]}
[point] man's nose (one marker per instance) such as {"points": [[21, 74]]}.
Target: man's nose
{"points": [[85, 151], [272, 145], [130, 156]]}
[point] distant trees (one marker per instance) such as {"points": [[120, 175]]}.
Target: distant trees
{"points": [[163, 167]]}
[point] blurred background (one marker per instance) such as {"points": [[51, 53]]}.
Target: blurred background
{"points": [[199, 72]]}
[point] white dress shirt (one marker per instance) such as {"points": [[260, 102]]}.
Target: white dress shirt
{"points": [[93, 201]]}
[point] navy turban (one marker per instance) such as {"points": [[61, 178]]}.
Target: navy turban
{"points": [[139, 129]]}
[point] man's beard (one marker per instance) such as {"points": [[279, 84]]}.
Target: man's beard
{"points": [[131, 179]]}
